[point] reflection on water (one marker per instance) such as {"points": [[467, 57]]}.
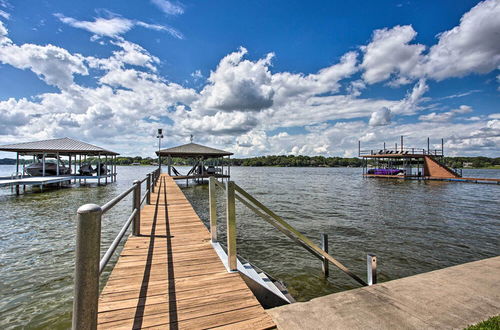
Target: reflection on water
{"points": [[412, 226]]}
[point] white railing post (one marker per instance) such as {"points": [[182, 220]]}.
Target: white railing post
{"points": [[136, 205], [231, 226], [371, 264], [324, 247], [86, 290], [213, 208]]}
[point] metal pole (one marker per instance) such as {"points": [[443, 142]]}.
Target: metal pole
{"points": [[324, 247], [229, 166], [231, 226], [169, 162], [80, 166], [136, 204], [402, 143], [43, 164], [371, 264], [106, 169], [442, 147], [213, 208], [148, 189], [428, 145], [86, 291], [99, 170], [359, 148]]}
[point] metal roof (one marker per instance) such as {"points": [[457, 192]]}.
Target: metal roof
{"points": [[193, 150], [64, 145]]}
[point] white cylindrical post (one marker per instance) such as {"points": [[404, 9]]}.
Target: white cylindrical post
{"points": [[371, 263]]}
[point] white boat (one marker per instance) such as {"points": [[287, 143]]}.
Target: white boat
{"points": [[36, 169]]}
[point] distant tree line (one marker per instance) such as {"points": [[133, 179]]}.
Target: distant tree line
{"points": [[283, 161]]}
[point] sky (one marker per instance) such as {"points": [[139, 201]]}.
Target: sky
{"points": [[253, 77]]}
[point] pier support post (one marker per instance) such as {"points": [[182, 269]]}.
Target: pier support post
{"points": [[324, 247], [136, 205], [86, 290], [213, 208], [148, 189], [231, 226], [371, 264]]}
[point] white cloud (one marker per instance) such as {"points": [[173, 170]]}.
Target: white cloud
{"points": [[239, 84], [55, 65], [168, 7], [390, 52], [4, 14], [446, 116], [380, 117], [471, 47], [114, 25], [241, 101]]}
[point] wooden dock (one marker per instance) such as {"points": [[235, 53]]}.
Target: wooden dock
{"points": [[170, 276]]}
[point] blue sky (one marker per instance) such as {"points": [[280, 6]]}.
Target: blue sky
{"points": [[253, 77]]}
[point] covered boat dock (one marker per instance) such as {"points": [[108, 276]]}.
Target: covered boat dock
{"points": [[206, 162], [39, 172]]}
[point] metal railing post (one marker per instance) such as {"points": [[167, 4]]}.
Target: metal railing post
{"points": [[86, 290], [136, 205], [148, 189], [231, 226], [213, 208], [371, 264], [324, 247]]}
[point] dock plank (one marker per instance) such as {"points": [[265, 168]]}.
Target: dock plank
{"points": [[171, 277]]}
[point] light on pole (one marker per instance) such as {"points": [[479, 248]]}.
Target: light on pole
{"points": [[159, 136]]}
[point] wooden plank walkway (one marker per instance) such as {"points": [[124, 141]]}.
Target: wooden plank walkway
{"points": [[171, 277]]}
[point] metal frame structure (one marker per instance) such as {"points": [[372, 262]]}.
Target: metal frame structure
{"points": [[65, 147]]}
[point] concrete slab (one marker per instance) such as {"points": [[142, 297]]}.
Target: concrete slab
{"points": [[450, 298]]}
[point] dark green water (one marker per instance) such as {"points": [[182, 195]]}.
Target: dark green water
{"points": [[413, 227]]}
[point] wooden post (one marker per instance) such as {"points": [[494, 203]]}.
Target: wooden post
{"points": [[212, 193], [57, 168], [231, 226], [324, 247], [86, 290], [169, 162]]}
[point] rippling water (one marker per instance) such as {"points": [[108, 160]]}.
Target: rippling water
{"points": [[413, 227]]}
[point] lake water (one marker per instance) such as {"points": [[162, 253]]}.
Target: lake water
{"points": [[412, 227]]}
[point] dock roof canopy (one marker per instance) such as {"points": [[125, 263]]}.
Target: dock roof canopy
{"points": [[193, 150], [62, 146]]}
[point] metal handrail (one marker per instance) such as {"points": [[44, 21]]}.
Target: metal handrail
{"points": [[112, 248], [280, 224], [106, 207]]}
